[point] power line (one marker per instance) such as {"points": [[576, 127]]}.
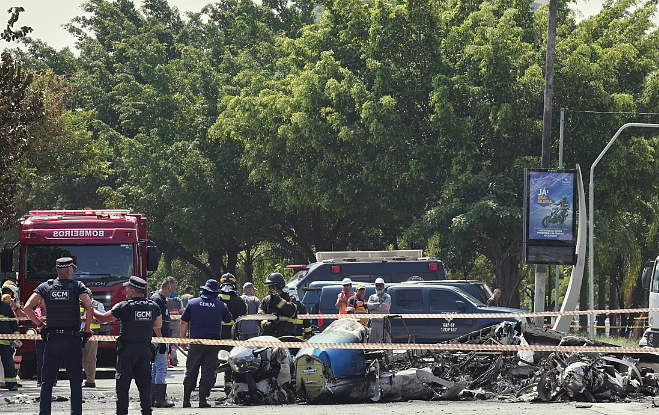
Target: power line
{"points": [[613, 112]]}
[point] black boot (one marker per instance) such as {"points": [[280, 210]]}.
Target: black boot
{"points": [[187, 391], [204, 392], [160, 392]]}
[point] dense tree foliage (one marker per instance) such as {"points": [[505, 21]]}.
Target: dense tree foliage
{"points": [[360, 125]]}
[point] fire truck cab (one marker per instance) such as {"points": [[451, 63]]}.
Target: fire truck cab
{"points": [[107, 246]]}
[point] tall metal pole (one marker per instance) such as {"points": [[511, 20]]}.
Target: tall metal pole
{"points": [[560, 166], [541, 269], [591, 210]]}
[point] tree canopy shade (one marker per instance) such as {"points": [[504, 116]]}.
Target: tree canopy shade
{"points": [[20, 106], [362, 125]]}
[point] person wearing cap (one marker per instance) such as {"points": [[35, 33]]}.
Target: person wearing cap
{"points": [[140, 317], [357, 303], [344, 296], [91, 347], [159, 367], [205, 316], [379, 303], [237, 308], [250, 328], [64, 340]]}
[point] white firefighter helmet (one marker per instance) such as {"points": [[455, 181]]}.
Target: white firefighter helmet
{"points": [[11, 286]]}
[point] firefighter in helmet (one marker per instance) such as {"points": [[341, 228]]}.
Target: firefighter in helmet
{"points": [[279, 304], [237, 308]]}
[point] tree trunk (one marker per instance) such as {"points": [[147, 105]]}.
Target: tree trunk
{"points": [[215, 257], [601, 302], [583, 301], [506, 272], [232, 259], [248, 265], [613, 300]]}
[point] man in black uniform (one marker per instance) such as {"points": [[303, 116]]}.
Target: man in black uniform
{"points": [[64, 340], [278, 303], [237, 308], [206, 315], [139, 317]]}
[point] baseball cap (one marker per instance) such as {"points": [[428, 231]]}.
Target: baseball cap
{"points": [[65, 262], [361, 287], [248, 285], [136, 282]]}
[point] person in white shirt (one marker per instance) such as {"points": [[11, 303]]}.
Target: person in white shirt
{"points": [[378, 303]]}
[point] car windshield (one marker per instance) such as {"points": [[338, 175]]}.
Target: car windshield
{"points": [[471, 298], [93, 261], [297, 277]]}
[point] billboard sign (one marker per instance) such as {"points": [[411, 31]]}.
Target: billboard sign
{"points": [[551, 202], [549, 216]]}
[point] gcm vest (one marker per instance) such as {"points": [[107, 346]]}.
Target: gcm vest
{"points": [[62, 304], [139, 325]]}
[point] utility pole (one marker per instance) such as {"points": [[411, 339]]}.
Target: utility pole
{"points": [[541, 269]]}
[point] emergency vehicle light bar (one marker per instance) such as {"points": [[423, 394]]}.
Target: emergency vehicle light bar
{"points": [[107, 212], [335, 256]]}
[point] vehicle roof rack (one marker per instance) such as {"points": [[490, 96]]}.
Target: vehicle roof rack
{"points": [[360, 256]]}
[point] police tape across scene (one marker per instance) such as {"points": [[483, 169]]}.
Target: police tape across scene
{"points": [[448, 316], [378, 346]]}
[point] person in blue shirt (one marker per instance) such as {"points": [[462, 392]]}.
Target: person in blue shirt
{"points": [[205, 315]]}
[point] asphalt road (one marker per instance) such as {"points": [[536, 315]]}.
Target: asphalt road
{"points": [[101, 401]]}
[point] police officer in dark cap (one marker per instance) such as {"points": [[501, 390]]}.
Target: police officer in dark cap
{"points": [[206, 316], [64, 340], [139, 317]]}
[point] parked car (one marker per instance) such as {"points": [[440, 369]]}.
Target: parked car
{"points": [[430, 298], [476, 288], [418, 297]]}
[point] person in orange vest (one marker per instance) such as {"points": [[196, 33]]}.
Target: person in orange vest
{"points": [[357, 303], [344, 296]]}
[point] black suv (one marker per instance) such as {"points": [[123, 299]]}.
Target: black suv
{"points": [[366, 267], [422, 297]]}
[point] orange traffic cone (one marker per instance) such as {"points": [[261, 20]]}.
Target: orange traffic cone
{"points": [[169, 365]]}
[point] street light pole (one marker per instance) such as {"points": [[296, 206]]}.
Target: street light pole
{"points": [[591, 209]]}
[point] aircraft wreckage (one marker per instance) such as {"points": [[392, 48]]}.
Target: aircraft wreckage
{"points": [[272, 375]]}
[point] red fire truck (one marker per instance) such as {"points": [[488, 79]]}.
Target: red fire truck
{"points": [[108, 246]]}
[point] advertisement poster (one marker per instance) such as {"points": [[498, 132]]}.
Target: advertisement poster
{"points": [[551, 202]]}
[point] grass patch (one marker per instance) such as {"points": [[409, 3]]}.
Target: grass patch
{"points": [[618, 341]]}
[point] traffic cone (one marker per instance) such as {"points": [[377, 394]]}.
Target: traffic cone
{"points": [[169, 365]]}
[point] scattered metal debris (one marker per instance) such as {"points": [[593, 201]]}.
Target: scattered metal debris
{"points": [[261, 376], [268, 375]]}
